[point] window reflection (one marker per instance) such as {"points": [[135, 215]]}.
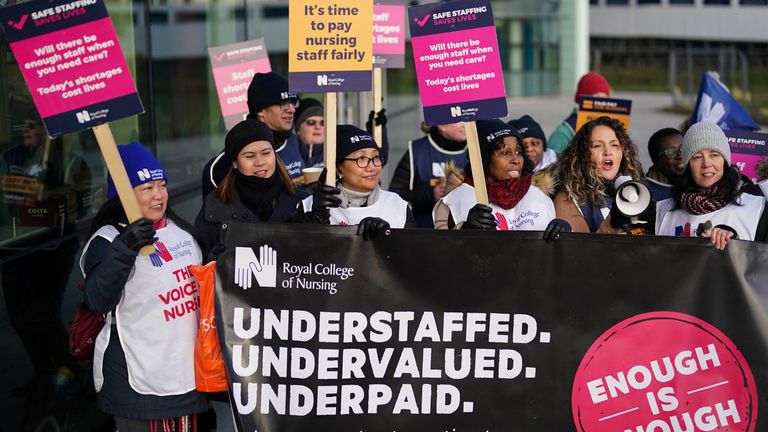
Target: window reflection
{"points": [[46, 184]]}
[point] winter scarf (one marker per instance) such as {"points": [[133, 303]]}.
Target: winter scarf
{"points": [[258, 194], [506, 193], [350, 198], [702, 200], [281, 136]]}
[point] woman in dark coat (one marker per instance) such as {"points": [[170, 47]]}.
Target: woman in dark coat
{"points": [[257, 187]]}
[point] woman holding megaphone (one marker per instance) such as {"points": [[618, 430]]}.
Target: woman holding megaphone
{"points": [[584, 176], [706, 201]]}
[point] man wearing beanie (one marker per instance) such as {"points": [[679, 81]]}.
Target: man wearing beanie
{"points": [[534, 142], [592, 84], [270, 102], [420, 178]]}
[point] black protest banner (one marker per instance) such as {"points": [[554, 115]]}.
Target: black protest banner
{"points": [[476, 331]]}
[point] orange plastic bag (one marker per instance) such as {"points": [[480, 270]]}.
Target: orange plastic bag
{"points": [[210, 375]]}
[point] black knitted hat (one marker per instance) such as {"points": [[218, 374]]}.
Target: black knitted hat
{"points": [[244, 133], [267, 89]]}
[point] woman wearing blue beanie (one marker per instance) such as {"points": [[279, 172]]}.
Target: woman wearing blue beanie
{"points": [[143, 365], [707, 201]]}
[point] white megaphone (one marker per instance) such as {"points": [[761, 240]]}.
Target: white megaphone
{"points": [[632, 198]]}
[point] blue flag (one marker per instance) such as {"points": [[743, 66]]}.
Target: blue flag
{"points": [[716, 104]]}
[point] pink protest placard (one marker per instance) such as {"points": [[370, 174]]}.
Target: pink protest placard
{"points": [[457, 61], [71, 60], [389, 34], [747, 150], [234, 66]]}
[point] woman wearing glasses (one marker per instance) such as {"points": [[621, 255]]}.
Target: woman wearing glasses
{"points": [[664, 149], [362, 200], [310, 132], [516, 203]]}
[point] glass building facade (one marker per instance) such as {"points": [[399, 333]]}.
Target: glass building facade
{"points": [[52, 188]]}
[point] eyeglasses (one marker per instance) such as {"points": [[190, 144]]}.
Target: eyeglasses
{"points": [[285, 106], [312, 122], [364, 161], [671, 153]]}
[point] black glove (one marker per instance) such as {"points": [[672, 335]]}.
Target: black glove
{"points": [[323, 197], [618, 219], [480, 217], [554, 228], [372, 227], [138, 234], [216, 250], [381, 120]]}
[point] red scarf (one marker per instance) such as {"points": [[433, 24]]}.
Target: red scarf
{"points": [[506, 193], [162, 223], [702, 200]]}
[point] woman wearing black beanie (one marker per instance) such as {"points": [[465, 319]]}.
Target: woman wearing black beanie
{"points": [[516, 203], [257, 187], [360, 199]]}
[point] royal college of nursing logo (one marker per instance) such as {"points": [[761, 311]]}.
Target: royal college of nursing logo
{"points": [[311, 276], [247, 266], [324, 80], [161, 255]]}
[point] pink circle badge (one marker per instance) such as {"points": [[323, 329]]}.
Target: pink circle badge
{"points": [[664, 372]]}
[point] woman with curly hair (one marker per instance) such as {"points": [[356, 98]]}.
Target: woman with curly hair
{"points": [[707, 201], [599, 153]]}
